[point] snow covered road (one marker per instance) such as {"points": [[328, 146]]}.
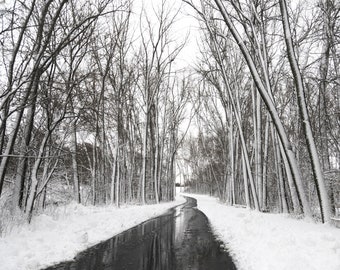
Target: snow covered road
{"points": [[262, 241]]}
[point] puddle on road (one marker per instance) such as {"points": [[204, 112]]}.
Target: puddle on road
{"points": [[179, 240]]}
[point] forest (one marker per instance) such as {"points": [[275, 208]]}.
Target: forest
{"points": [[95, 108]]}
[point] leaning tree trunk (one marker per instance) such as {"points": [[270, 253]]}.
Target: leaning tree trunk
{"points": [[300, 91], [231, 156], [245, 180], [291, 184], [278, 161], [265, 164]]}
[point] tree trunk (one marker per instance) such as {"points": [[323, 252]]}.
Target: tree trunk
{"points": [[231, 157], [76, 188], [280, 181], [265, 162], [34, 177], [316, 166], [145, 149], [292, 185], [245, 180], [258, 152]]}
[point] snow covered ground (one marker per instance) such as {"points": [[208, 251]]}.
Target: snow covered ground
{"points": [[262, 241], [61, 234]]}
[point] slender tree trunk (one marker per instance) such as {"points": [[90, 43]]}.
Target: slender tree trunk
{"points": [[118, 184], [94, 172], [265, 162], [292, 185], [34, 177], [145, 149], [156, 173], [245, 180], [316, 166], [76, 188], [231, 157], [237, 166], [114, 175], [280, 175], [258, 152]]}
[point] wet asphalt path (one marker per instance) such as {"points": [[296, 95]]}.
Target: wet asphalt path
{"points": [[179, 240]]}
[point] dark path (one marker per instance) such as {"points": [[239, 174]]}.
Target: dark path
{"points": [[179, 240]]}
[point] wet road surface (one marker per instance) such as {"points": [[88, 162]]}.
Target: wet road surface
{"points": [[179, 240]]}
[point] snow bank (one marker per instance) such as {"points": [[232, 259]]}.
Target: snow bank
{"points": [[262, 241], [56, 237]]}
